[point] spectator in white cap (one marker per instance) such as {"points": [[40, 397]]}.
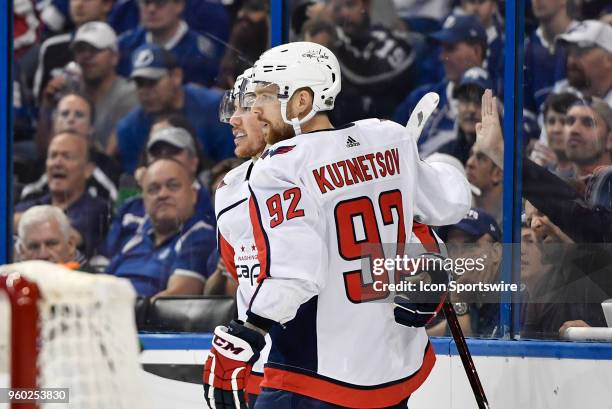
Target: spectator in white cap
{"points": [[94, 47], [95, 50], [589, 62], [55, 52]]}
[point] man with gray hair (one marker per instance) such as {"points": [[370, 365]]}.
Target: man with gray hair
{"points": [[45, 233]]}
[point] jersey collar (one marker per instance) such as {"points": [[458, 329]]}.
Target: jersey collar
{"points": [[551, 47], [174, 40]]}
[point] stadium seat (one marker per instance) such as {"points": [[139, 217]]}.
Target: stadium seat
{"points": [[189, 314]]}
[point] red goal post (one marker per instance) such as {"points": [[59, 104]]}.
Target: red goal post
{"points": [[20, 317], [67, 329]]}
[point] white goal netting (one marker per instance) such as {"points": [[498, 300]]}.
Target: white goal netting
{"points": [[87, 339]]}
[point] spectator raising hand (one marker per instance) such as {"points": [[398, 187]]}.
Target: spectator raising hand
{"points": [[484, 168], [488, 132]]}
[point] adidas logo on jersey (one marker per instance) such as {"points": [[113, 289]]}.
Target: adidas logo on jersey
{"points": [[351, 143]]}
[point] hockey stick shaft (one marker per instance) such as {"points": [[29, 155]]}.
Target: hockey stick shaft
{"points": [[416, 123], [466, 357]]}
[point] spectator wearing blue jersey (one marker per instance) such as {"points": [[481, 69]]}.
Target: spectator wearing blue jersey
{"points": [[464, 44], [124, 16], [168, 253], [207, 17], [204, 16], [161, 93], [488, 14], [468, 94], [545, 62], [161, 24], [169, 139]]}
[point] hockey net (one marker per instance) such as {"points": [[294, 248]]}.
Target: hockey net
{"points": [[70, 330]]}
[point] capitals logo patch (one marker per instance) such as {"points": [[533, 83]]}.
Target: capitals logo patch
{"points": [[278, 151], [221, 184]]}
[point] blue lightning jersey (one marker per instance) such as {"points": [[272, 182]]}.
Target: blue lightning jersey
{"points": [[197, 55], [201, 109]]}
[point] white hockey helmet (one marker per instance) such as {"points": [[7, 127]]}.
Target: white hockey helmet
{"points": [[242, 92], [300, 65]]}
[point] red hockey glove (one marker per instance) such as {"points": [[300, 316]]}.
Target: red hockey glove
{"points": [[228, 366]]}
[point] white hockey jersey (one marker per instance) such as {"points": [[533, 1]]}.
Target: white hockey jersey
{"points": [[238, 251], [321, 204]]}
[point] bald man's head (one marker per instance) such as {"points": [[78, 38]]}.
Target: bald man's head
{"points": [[169, 195]]}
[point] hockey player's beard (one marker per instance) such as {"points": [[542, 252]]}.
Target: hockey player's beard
{"points": [[280, 131]]}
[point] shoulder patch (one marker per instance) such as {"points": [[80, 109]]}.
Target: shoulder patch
{"points": [[278, 151], [205, 46]]}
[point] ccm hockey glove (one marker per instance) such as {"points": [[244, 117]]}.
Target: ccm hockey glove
{"points": [[228, 366], [417, 308]]}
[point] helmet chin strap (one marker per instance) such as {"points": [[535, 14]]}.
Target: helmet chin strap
{"points": [[295, 122], [297, 129]]}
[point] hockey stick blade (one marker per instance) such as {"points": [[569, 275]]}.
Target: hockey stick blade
{"points": [[421, 113], [419, 117]]}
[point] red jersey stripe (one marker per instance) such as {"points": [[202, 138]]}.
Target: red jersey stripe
{"points": [[260, 240], [344, 395], [253, 385]]}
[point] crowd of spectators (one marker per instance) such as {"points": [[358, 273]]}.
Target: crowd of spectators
{"points": [[116, 124]]}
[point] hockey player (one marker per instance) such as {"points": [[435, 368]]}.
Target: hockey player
{"points": [[323, 201], [235, 235]]}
